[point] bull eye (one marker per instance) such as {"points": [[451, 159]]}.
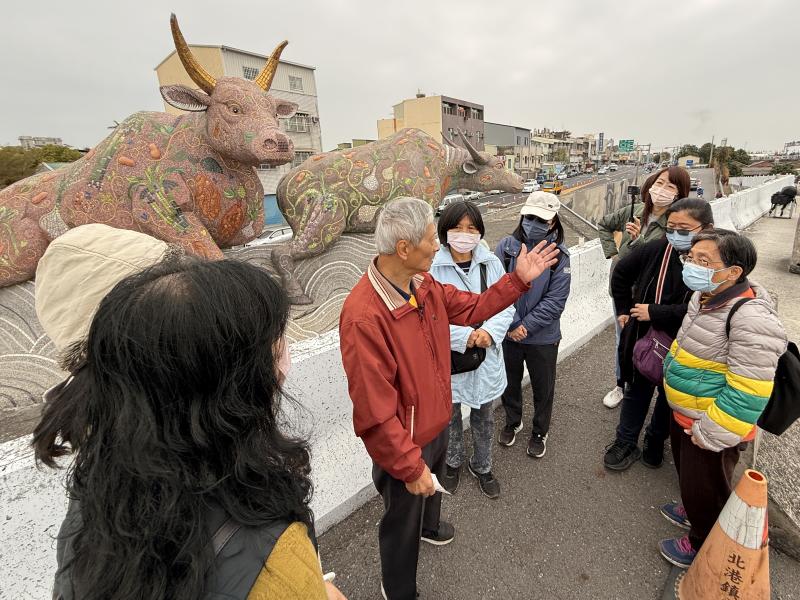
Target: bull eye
{"points": [[235, 108]]}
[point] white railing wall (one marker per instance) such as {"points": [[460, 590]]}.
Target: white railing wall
{"points": [[742, 209]]}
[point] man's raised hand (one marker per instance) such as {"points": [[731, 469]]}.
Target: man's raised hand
{"points": [[532, 264]]}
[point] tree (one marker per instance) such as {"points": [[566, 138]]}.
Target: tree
{"points": [[688, 150], [705, 153], [53, 153], [735, 169], [782, 169], [741, 156], [656, 158], [560, 155], [17, 163], [721, 164]]}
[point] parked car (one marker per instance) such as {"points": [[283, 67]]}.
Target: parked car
{"points": [[530, 186], [602, 171], [694, 182], [271, 236], [613, 167], [541, 178], [450, 198], [561, 176], [472, 195], [554, 187]]}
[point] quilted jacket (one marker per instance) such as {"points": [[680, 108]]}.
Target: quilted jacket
{"points": [[716, 384]]}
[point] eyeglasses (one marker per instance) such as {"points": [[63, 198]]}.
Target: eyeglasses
{"points": [[683, 232], [685, 258]]}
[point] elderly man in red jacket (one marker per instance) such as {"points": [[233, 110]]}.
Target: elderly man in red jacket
{"points": [[395, 342]]}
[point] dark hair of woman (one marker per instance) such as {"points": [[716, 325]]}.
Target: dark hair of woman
{"points": [[452, 215], [519, 233], [644, 193], [678, 176], [175, 407], [698, 209]]}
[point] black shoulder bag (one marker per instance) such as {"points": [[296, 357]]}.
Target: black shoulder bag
{"points": [[471, 359]]}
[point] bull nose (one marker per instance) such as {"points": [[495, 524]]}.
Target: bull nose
{"points": [[277, 145]]}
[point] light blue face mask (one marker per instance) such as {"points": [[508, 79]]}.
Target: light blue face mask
{"points": [[698, 278], [682, 243]]}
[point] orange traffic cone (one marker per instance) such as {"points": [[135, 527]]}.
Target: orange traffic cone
{"points": [[734, 560]]}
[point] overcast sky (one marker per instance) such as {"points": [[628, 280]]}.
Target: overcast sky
{"points": [[664, 72]]}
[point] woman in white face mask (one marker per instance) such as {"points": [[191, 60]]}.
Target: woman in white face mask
{"points": [[478, 376], [649, 223]]}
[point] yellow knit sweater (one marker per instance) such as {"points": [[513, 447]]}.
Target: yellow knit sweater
{"points": [[292, 571]]}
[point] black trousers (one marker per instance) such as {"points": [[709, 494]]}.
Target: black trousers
{"points": [[541, 362], [635, 406], [404, 517], [705, 478]]}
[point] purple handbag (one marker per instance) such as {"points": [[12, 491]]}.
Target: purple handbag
{"points": [[650, 351]]}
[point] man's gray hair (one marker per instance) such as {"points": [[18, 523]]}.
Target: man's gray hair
{"points": [[403, 218]]}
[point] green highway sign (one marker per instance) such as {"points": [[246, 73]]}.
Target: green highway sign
{"points": [[626, 145]]}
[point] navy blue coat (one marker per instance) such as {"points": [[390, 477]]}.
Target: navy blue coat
{"points": [[540, 308]]}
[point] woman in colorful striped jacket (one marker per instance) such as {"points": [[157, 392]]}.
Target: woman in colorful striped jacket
{"points": [[717, 384]]}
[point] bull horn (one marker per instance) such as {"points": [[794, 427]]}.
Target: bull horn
{"points": [[198, 74], [471, 149], [264, 79], [448, 141]]}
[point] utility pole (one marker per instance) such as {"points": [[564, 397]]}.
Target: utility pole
{"points": [[711, 156]]}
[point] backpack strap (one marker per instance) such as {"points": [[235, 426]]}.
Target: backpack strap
{"points": [[484, 286], [223, 535], [732, 311]]}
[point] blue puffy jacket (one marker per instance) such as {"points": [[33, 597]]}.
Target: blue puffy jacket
{"points": [[539, 309]]}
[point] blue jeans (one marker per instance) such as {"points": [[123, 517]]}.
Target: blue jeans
{"points": [[481, 421]]}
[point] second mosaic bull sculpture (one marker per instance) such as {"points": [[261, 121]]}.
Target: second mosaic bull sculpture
{"points": [[342, 192]]}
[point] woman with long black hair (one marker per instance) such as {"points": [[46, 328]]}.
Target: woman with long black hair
{"points": [[182, 484]]}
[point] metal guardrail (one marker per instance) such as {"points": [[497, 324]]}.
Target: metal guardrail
{"points": [[585, 221]]}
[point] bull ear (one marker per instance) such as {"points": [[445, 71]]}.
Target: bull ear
{"points": [[469, 167], [185, 98], [285, 109]]}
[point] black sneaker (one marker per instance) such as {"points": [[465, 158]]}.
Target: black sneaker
{"points": [[537, 445], [508, 436], [486, 481], [451, 478], [621, 455], [443, 536], [652, 453]]}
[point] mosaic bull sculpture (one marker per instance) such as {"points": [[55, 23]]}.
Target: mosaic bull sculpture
{"points": [[187, 179], [343, 191]]}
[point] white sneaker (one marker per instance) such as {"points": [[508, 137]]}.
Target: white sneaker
{"points": [[613, 398]]}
